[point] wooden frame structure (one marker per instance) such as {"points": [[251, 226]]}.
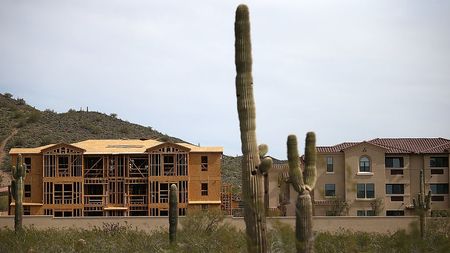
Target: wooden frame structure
{"points": [[120, 177]]}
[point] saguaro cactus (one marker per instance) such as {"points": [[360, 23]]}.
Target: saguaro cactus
{"points": [[303, 183], [173, 213], [253, 167], [423, 204], [17, 188]]}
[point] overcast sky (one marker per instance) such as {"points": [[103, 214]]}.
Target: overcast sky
{"points": [[348, 70]]}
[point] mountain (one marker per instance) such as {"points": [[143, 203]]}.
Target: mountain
{"points": [[21, 125]]}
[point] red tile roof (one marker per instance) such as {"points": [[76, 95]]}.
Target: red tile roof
{"points": [[398, 145]]}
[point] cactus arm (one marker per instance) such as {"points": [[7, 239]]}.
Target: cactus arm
{"points": [[310, 173], [13, 188], [295, 175], [428, 201], [266, 162], [263, 149], [173, 213]]}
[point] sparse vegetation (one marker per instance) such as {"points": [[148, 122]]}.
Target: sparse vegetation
{"points": [[207, 232]]}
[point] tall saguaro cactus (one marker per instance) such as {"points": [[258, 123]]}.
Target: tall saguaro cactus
{"points": [[254, 162], [17, 188], [173, 213], [303, 183], [423, 204]]}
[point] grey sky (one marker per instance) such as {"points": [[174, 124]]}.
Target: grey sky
{"points": [[349, 70]]}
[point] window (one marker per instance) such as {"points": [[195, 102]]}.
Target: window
{"points": [[27, 191], [364, 164], [169, 165], [205, 207], [330, 164], [440, 213], [439, 188], [365, 191], [437, 171], [438, 161], [204, 189], [63, 194], [395, 189], [395, 213], [437, 198], [26, 210], [365, 213], [204, 163], [330, 190], [393, 162], [27, 162], [397, 172], [164, 193], [397, 198], [63, 166]]}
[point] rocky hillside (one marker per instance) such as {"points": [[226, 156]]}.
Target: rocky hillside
{"points": [[21, 125]]}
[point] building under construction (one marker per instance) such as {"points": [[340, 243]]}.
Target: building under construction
{"points": [[118, 178]]}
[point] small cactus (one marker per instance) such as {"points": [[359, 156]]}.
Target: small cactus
{"points": [[173, 214], [17, 189], [303, 183], [422, 204]]}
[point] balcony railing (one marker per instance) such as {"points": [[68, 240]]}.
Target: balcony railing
{"points": [[138, 200], [94, 200]]}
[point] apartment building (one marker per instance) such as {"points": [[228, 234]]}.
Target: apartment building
{"points": [[118, 178], [375, 177]]}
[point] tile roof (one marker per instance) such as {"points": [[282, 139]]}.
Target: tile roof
{"points": [[336, 148], [398, 145]]}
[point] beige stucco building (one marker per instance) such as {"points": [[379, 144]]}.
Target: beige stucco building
{"points": [[376, 177]]}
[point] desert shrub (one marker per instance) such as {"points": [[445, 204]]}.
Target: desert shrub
{"points": [[8, 95], [93, 129], [21, 123], [281, 238], [50, 111], [20, 101], [34, 117], [17, 114], [124, 130], [3, 202], [45, 140], [206, 231], [114, 115]]}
